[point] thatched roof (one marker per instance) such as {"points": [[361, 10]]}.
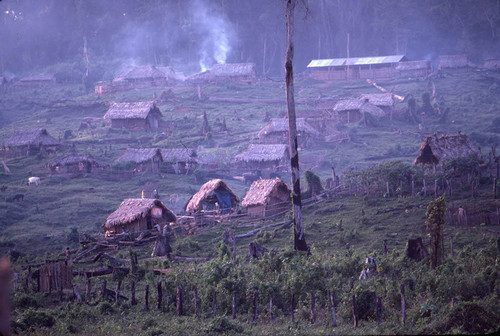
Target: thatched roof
{"points": [[233, 70], [208, 191], [34, 137], [261, 152], [43, 77], [281, 125], [438, 148], [72, 159], [453, 61], [139, 155], [413, 65], [358, 105], [135, 110], [172, 155], [263, 189], [134, 208], [379, 99]]}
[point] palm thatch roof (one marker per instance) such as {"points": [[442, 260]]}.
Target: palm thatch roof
{"points": [[134, 110], [413, 65], [358, 105], [278, 125], [379, 99], [453, 61], [72, 159], [438, 148], [35, 137], [207, 193], [172, 155], [233, 70], [139, 155], [263, 189], [261, 152], [132, 209]]}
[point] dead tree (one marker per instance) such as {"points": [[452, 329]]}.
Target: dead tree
{"points": [[5, 277], [162, 246], [298, 227]]}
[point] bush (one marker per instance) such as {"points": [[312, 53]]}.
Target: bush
{"points": [[105, 308], [25, 301], [35, 318], [222, 324]]}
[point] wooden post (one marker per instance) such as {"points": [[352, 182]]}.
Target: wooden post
{"points": [[340, 225], [451, 246], [196, 311], [214, 304], [385, 247], [403, 304], [234, 249], [76, 292], [292, 307], [255, 305], [354, 311], [159, 291], [313, 307], [133, 301], [387, 188], [179, 300], [334, 315], [494, 187], [16, 281], [271, 304], [425, 188], [103, 289], [233, 315], [379, 310], [146, 298], [117, 297], [29, 277], [88, 290]]}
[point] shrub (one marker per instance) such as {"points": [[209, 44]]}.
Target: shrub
{"points": [[222, 324], [105, 308], [35, 318], [25, 301]]}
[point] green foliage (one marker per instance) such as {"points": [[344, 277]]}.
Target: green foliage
{"points": [[222, 324], [435, 224], [73, 236], [105, 308], [33, 318], [313, 181], [25, 301]]}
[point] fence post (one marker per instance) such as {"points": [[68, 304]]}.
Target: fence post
{"points": [[133, 301], [385, 247], [233, 315], [403, 304], [354, 311], [271, 304], [379, 310], [196, 301], [88, 289], [313, 307], [179, 300], [292, 306], [103, 289], [160, 295], [255, 305], [146, 298], [334, 315], [214, 303]]}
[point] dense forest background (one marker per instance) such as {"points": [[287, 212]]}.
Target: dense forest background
{"points": [[190, 35]]}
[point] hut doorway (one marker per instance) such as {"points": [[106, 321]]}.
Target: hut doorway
{"points": [[224, 199], [149, 224]]}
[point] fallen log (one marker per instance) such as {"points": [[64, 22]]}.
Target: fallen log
{"points": [[104, 255], [87, 251], [400, 98], [252, 232], [101, 271]]}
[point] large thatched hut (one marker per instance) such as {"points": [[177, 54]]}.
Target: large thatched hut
{"points": [[136, 115], [276, 131], [138, 214], [212, 195], [29, 142], [438, 148], [179, 160], [267, 197], [42, 79], [384, 101], [142, 76], [264, 157], [76, 163], [234, 72], [353, 110], [141, 159], [414, 68], [453, 63]]}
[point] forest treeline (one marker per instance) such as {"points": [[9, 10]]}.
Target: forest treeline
{"points": [[185, 33]]}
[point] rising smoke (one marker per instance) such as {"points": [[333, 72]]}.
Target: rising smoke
{"points": [[215, 31]]}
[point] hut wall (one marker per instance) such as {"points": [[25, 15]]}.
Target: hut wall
{"points": [[329, 74], [350, 116], [55, 276], [276, 206], [256, 211], [414, 73], [139, 124]]}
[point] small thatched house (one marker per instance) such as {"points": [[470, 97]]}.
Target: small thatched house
{"points": [[414, 68], [138, 214], [43, 79], [76, 163], [143, 76], [353, 110], [141, 159], [234, 72], [453, 63], [212, 195], [137, 115], [438, 148], [267, 197], [337, 137], [263, 157], [277, 132], [179, 160], [31, 142], [384, 101]]}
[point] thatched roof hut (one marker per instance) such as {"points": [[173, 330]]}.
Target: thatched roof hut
{"points": [[280, 126], [138, 214], [145, 159], [212, 192], [262, 156], [34, 141], [38, 79], [231, 71], [179, 160], [76, 163], [438, 148], [453, 62], [414, 68], [379, 99], [352, 110], [267, 197], [134, 115], [145, 76]]}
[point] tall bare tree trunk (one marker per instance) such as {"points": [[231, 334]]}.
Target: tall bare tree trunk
{"points": [[298, 228]]}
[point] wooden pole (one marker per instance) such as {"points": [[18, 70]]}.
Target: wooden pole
{"points": [[334, 315], [196, 311], [379, 310], [403, 304], [214, 304], [133, 301], [354, 311], [387, 188], [233, 315], [292, 307], [117, 297], [146, 298], [255, 305], [271, 304], [385, 247], [77, 292], [179, 300], [103, 289], [298, 228], [313, 308], [451, 246], [425, 188], [494, 187], [159, 292], [88, 290]]}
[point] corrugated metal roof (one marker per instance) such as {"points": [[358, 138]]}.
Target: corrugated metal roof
{"points": [[355, 61]]}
